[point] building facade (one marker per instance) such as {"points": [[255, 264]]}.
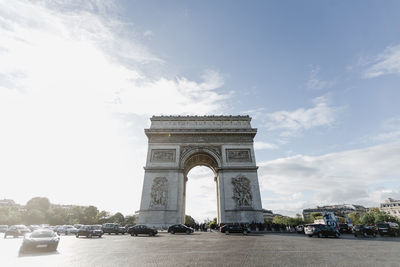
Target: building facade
{"points": [[338, 210], [391, 207]]}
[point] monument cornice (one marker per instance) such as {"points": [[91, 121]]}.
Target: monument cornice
{"points": [[201, 118]]}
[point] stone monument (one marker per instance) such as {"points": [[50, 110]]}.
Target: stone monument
{"points": [[179, 143]]}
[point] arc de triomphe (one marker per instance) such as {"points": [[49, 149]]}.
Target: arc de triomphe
{"points": [[179, 143]]}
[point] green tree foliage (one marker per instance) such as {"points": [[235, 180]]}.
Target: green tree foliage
{"points": [[117, 218], [354, 218], [38, 203], [189, 220], [367, 218], [213, 223]]}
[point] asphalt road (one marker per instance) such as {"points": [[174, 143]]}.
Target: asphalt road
{"points": [[209, 249]]}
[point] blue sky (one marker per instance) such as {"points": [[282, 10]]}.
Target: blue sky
{"points": [[79, 80]]}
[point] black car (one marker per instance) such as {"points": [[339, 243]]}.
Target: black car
{"points": [[321, 230], [180, 228], [42, 239], [142, 229], [113, 228], [16, 231], [391, 229], [344, 228], [90, 231], [234, 228], [364, 230]]}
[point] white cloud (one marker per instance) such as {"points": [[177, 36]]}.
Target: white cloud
{"points": [[74, 99], [314, 82], [259, 145], [388, 62], [148, 34], [343, 177], [302, 119]]}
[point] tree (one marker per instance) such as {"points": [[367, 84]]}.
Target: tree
{"points": [[34, 216], [117, 218], [354, 218], [367, 218], [38, 203], [91, 213], [130, 219], [189, 220]]}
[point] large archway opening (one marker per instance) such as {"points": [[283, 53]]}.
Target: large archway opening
{"points": [[201, 194]]}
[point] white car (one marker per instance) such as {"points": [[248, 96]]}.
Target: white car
{"points": [[67, 229]]}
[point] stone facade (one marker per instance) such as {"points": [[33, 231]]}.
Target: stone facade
{"points": [[391, 207], [177, 144], [336, 209]]}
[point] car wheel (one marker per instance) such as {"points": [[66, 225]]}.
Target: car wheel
{"points": [[309, 235], [172, 232], [319, 235], [132, 234], [227, 232], [90, 235], [337, 235], [355, 235], [374, 234], [365, 234], [100, 236], [244, 232], [77, 235], [150, 234], [187, 232]]}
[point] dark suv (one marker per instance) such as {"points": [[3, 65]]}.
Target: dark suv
{"points": [[142, 229], [90, 231], [364, 230], [391, 229], [113, 228], [234, 228], [344, 228], [180, 228], [321, 230]]}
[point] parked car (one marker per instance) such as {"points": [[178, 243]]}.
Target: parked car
{"points": [[344, 228], [3, 228], [67, 229], [391, 229], [364, 230], [34, 227], [321, 230], [142, 229], [78, 226], [16, 231], [300, 229], [180, 228], [234, 228], [113, 228], [90, 231], [41, 239]]}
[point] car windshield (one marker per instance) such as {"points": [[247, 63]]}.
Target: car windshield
{"points": [[96, 227], [42, 234]]}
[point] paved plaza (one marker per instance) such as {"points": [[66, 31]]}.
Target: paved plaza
{"points": [[209, 249]]}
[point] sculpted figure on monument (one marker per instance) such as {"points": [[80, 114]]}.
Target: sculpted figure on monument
{"points": [[159, 192], [242, 191]]}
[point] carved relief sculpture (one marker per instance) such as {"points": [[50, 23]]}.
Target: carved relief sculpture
{"points": [[159, 193], [163, 155], [242, 191], [238, 155]]}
